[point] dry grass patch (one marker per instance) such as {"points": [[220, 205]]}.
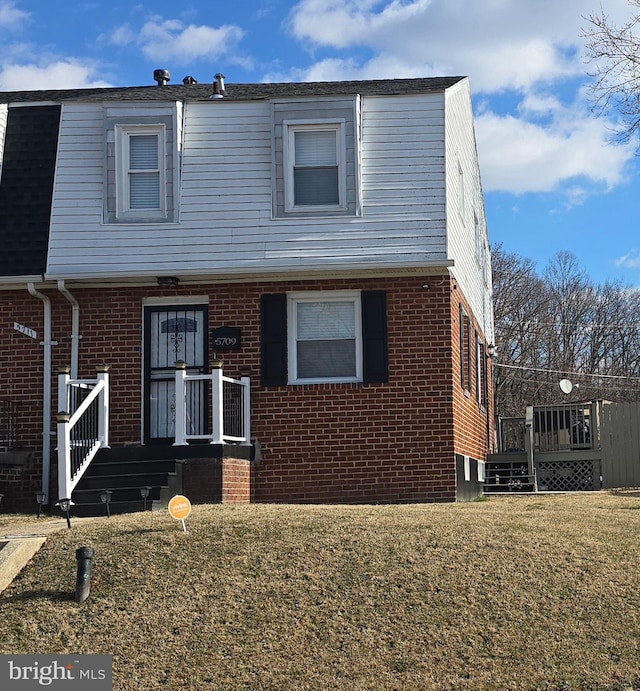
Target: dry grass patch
{"points": [[514, 593]]}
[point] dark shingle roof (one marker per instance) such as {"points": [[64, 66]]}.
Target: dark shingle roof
{"points": [[237, 92], [26, 187]]}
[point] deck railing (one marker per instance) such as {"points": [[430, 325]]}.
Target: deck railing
{"points": [[511, 434], [230, 420], [8, 423], [83, 426], [566, 427]]}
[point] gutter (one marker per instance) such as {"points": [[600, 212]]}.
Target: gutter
{"points": [[75, 327], [46, 401]]}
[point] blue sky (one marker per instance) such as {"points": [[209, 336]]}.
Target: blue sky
{"points": [[552, 177]]}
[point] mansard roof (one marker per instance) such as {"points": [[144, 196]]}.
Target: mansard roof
{"points": [[238, 92], [31, 139], [28, 166]]}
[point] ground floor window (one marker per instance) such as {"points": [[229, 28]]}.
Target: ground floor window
{"points": [[324, 336]]}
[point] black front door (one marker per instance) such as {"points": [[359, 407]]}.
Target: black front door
{"points": [[173, 334]]}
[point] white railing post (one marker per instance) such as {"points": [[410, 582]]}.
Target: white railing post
{"points": [[64, 456], [529, 442], [246, 408], [63, 433], [103, 406], [180, 420], [64, 394], [217, 417]]}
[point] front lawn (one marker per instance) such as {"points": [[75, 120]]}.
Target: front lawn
{"points": [[539, 592]]}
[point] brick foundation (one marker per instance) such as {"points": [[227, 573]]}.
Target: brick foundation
{"points": [[211, 480]]}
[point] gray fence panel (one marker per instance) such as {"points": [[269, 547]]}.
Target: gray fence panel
{"points": [[620, 440]]}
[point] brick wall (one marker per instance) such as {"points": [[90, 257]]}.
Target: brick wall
{"points": [[473, 424], [319, 443], [202, 480], [236, 480]]}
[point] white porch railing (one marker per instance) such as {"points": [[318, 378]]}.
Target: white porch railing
{"points": [[230, 407], [83, 425]]}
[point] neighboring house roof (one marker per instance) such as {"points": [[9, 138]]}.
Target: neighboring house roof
{"points": [[26, 187], [241, 92]]}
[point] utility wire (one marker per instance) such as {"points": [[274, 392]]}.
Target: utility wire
{"points": [[565, 372]]}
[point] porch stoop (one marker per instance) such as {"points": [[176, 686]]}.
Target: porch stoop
{"points": [[508, 473], [205, 473]]}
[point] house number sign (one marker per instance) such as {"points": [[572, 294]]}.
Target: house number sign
{"points": [[226, 338], [25, 330]]}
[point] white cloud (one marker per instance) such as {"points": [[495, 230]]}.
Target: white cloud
{"points": [[62, 74], [499, 43], [517, 48], [521, 156], [171, 39], [11, 17], [631, 260], [121, 36]]}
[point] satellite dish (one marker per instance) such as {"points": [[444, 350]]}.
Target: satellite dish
{"points": [[566, 386]]}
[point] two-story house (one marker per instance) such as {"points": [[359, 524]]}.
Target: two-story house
{"points": [[326, 240]]}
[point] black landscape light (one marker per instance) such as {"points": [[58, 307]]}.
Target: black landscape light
{"points": [[84, 555], [144, 493], [105, 498], [41, 497], [65, 506]]}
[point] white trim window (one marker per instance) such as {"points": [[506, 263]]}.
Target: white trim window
{"points": [[325, 337], [314, 166], [140, 172]]}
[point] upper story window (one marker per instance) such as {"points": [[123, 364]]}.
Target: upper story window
{"points": [[140, 172], [314, 160], [142, 162]]}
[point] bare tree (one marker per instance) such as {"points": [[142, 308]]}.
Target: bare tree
{"points": [[614, 51], [560, 325], [571, 296], [520, 310]]}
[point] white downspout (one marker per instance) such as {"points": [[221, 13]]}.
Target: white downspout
{"points": [[46, 400], [75, 328]]}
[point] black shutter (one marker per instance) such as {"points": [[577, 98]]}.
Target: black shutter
{"points": [[274, 340], [374, 337]]}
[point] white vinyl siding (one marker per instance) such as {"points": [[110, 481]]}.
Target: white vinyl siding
{"points": [[325, 339], [466, 222], [221, 217], [140, 173]]}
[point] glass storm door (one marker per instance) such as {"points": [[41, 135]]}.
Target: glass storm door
{"points": [[173, 334]]}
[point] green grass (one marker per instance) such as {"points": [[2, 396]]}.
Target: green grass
{"points": [[538, 592]]}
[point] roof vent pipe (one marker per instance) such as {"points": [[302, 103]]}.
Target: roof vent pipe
{"points": [[218, 86], [189, 80], [161, 76]]}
